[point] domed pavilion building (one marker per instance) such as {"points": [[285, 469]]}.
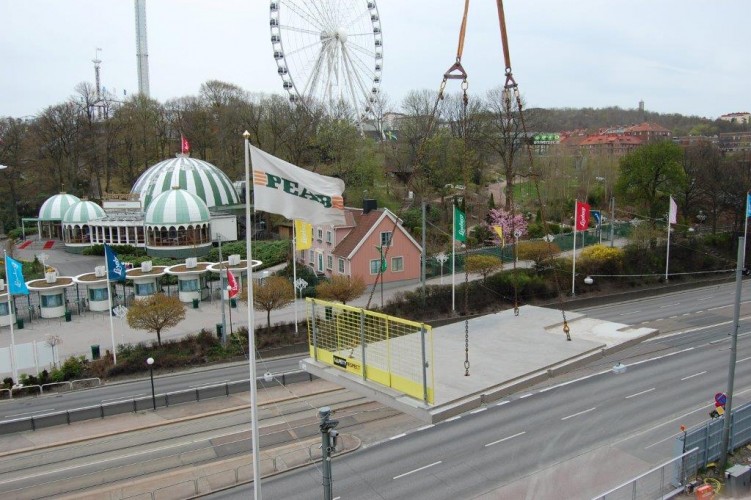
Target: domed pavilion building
{"points": [[49, 222]]}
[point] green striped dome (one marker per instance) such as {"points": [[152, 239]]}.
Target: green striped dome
{"points": [[82, 212], [176, 207], [196, 176], [56, 206]]}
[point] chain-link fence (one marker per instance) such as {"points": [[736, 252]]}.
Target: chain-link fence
{"points": [[391, 351]]}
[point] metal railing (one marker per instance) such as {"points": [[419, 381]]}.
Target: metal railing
{"points": [[135, 405], [664, 481]]}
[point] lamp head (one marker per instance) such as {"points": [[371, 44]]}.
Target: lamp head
{"points": [[150, 361]]}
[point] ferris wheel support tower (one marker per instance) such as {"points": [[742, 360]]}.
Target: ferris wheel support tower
{"points": [[142, 49]]}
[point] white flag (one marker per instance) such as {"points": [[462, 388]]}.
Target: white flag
{"points": [[673, 216], [282, 188]]}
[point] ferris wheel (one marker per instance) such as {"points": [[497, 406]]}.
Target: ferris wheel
{"points": [[329, 52]]}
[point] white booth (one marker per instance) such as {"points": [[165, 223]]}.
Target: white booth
{"points": [[146, 279], [239, 269], [5, 305], [190, 278], [96, 288], [52, 297]]}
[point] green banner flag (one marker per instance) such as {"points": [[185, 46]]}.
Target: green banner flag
{"points": [[383, 261], [460, 225]]}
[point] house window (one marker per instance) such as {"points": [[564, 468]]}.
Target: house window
{"points": [[320, 234], [375, 266], [341, 266], [311, 256], [397, 264], [320, 262], [386, 239], [328, 237], [329, 262]]}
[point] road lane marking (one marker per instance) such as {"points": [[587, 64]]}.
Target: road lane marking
{"points": [[670, 305], [673, 317], [744, 359], [704, 298], [506, 438], [453, 418], [579, 413], [635, 363], [121, 400], [628, 313], [417, 470], [398, 436], [640, 393], [425, 427], [695, 375], [29, 413], [503, 403], [526, 395], [479, 410]]}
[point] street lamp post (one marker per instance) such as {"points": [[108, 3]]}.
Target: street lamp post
{"points": [[150, 362]]}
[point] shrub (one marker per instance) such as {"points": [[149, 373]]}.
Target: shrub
{"points": [[601, 259], [538, 251]]}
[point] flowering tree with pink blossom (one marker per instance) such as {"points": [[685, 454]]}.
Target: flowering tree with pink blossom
{"points": [[510, 223]]}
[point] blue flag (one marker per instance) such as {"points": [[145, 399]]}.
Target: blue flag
{"points": [[748, 205], [596, 216], [14, 273], [115, 268]]}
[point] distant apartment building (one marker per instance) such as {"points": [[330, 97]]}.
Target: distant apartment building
{"points": [[731, 142], [614, 141], [739, 117]]}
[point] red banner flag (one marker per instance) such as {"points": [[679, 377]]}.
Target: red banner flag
{"points": [[232, 285], [184, 145], [582, 216]]}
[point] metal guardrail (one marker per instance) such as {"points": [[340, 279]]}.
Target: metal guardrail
{"points": [[135, 405]]}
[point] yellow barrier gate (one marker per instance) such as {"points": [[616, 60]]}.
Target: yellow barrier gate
{"points": [[391, 351]]}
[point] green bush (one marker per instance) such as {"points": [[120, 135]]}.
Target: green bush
{"points": [[270, 253], [120, 250], [17, 233]]}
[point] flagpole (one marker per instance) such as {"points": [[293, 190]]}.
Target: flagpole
{"points": [[745, 228], [667, 255], [13, 368], [251, 332], [109, 303], [573, 269], [453, 257], [294, 268]]}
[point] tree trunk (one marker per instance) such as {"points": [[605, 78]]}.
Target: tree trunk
{"points": [[159, 338], [268, 319]]}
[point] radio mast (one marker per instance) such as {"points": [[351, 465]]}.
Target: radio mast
{"points": [[142, 49]]}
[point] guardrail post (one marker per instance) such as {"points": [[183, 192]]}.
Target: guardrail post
{"points": [[33, 424], [315, 328], [67, 417], [424, 364], [135, 406], [362, 343]]}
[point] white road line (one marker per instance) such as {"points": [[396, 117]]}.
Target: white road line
{"points": [[660, 319], [744, 359], [526, 395], [29, 413], [119, 400], [506, 438], [580, 413], [208, 384], [417, 470], [663, 440], [398, 436], [704, 298], [635, 363], [699, 312], [672, 317], [695, 375], [670, 305], [453, 418], [425, 427], [503, 403], [640, 393], [479, 410], [627, 313]]}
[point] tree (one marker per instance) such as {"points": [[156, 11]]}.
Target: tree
{"points": [[511, 223], [155, 314], [272, 293], [538, 251], [341, 288], [482, 264], [650, 174]]}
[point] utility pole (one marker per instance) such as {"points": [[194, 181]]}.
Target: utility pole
{"points": [[733, 355], [222, 277], [612, 221], [328, 444], [424, 253]]}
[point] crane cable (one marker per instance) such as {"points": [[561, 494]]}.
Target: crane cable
{"points": [[510, 86]]}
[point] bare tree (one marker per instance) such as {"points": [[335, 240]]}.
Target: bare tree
{"points": [[155, 314]]}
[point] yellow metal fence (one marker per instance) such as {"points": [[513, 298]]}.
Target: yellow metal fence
{"points": [[391, 351]]}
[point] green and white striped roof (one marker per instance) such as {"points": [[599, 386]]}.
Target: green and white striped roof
{"points": [[176, 207], [83, 211], [56, 206], [196, 176]]}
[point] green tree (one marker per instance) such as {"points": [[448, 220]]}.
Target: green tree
{"points": [[651, 173], [538, 251], [272, 293], [483, 264], [155, 314], [341, 288]]}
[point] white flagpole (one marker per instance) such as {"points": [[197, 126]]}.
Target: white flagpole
{"points": [[667, 255], [453, 258], [251, 332], [294, 268], [13, 368], [109, 303], [573, 269]]}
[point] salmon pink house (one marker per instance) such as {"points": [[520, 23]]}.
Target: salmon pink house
{"points": [[351, 249]]}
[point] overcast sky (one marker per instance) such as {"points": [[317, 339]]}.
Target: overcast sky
{"points": [[680, 56]]}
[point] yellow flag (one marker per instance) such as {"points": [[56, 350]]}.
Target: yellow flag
{"points": [[304, 235], [499, 232]]}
